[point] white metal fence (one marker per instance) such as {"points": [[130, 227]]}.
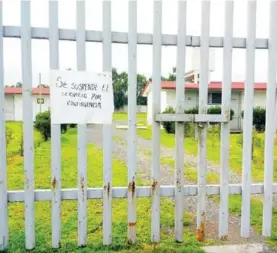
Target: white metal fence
{"points": [[56, 194]]}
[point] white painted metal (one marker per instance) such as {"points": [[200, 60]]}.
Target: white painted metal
{"points": [[225, 127], [132, 112], [82, 131], [3, 162], [107, 131], [26, 62], [55, 131], [202, 128], [142, 192], [192, 117], [269, 126], [179, 133], [156, 83], [121, 37], [248, 118]]}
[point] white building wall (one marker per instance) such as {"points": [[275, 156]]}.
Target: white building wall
{"points": [[149, 105], [9, 107], [18, 105], [259, 98]]}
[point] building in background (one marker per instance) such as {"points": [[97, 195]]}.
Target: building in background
{"points": [[14, 102]]}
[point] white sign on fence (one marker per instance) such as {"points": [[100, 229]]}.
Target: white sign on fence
{"points": [[81, 97]]}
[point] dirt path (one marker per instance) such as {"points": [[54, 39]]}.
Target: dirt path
{"points": [[119, 149]]}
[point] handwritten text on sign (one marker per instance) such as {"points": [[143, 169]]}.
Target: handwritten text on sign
{"points": [[81, 97]]}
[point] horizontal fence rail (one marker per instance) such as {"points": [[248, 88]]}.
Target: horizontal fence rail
{"points": [[121, 37], [176, 192], [141, 191]]}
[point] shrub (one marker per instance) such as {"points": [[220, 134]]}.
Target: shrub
{"points": [[258, 118], [43, 125], [169, 126], [217, 110], [72, 125]]}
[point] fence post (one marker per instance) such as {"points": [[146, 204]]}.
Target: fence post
{"points": [[179, 135], [202, 128], [132, 110], [26, 58], [225, 127], [156, 108], [107, 131], [269, 124], [3, 162], [55, 131], [82, 130]]}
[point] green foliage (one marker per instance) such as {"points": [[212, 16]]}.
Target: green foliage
{"points": [[258, 118], [43, 125], [169, 126], [120, 86]]}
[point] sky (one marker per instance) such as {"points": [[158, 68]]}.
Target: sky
{"points": [[67, 19]]}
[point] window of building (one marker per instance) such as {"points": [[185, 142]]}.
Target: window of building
{"points": [[214, 98]]}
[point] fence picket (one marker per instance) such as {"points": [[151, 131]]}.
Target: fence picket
{"points": [[202, 128], [132, 109], [225, 127], [82, 131], [26, 47], [248, 119], [107, 131], [156, 108], [269, 126], [55, 131], [179, 133], [3, 161]]}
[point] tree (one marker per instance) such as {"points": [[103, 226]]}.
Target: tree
{"points": [[18, 84], [120, 86], [141, 82], [172, 76]]}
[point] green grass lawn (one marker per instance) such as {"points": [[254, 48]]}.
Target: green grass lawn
{"points": [[69, 208], [213, 155], [141, 117]]}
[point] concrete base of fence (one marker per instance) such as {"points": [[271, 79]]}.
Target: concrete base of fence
{"points": [[244, 248]]}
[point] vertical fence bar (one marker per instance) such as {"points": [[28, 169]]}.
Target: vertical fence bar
{"points": [[132, 109], [202, 128], [225, 127], [248, 118], [107, 131], [156, 107], [55, 131], [3, 161], [179, 135], [269, 126], [28, 133], [82, 130]]}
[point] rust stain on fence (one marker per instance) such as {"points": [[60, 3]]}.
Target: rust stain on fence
{"points": [[54, 183], [200, 232], [107, 188], [132, 224], [224, 238], [82, 183], [154, 185], [132, 187]]}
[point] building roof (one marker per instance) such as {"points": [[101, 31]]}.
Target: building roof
{"points": [[195, 86], [36, 91]]}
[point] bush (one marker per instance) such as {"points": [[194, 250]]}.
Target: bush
{"points": [[169, 126], [72, 125], [258, 118], [43, 125]]}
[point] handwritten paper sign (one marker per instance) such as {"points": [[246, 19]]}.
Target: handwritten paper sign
{"points": [[79, 97]]}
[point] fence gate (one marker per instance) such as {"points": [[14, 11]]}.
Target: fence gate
{"points": [[56, 194]]}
